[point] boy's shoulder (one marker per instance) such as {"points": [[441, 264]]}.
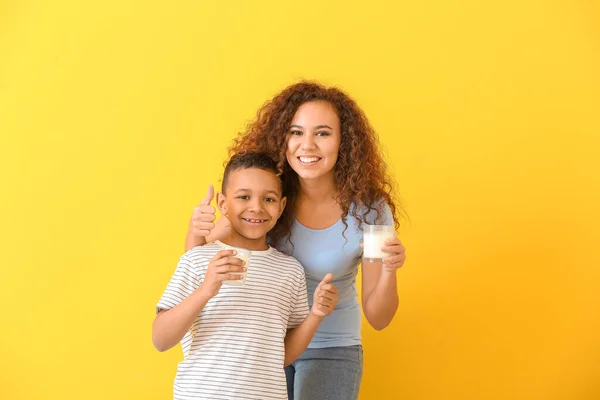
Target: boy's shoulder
{"points": [[201, 254]]}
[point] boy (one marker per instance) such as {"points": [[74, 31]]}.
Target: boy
{"points": [[237, 339]]}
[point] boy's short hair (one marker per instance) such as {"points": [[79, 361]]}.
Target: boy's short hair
{"points": [[250, 160]]}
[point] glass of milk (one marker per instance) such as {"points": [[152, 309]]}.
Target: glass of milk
{"points": [[374, 239], [244, 255]]}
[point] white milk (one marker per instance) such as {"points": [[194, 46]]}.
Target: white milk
{"points": [[374, 239]]}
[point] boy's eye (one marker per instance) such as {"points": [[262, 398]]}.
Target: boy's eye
{"points": [[270, 200], [243, 197]]}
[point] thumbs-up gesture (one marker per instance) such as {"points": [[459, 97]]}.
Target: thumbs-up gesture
{"points": [[204, 215], [325, 298]]}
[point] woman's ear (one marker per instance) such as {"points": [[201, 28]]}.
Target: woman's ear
{"points": [[222, 203]]}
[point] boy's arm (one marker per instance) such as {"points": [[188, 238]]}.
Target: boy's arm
{"points": [[297, 339], [324, 301], [171, 325]]}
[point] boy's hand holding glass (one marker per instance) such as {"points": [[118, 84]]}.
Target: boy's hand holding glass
{"points": [[222, 267]]}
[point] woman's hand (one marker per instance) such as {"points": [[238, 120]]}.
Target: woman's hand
{"points": [[203, 218], [396, 260]]}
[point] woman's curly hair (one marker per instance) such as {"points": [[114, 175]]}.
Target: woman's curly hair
{"points": [[360, 172]]}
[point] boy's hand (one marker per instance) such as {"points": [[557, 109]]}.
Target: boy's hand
{"points": [[325, 298], [204, 216], [220, 269]]}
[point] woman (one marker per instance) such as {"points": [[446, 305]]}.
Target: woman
{"points": [[336, 180]]}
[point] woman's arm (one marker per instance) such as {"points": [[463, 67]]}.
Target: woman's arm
{"points": [[191, 240], [202, 229], [379, 288], [219, 232]]}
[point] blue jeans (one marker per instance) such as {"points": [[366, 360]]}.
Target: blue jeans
{"points": [[326, 374]]}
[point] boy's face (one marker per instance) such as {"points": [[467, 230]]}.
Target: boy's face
{"points": [[252, 202]]}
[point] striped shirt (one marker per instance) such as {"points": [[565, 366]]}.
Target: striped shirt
{"points": [[235, 347]]}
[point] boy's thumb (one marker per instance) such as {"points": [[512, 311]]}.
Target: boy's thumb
{"points": [[328, 278]]}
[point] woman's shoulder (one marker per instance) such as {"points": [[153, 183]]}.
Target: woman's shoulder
{"points": [[378, 213]]}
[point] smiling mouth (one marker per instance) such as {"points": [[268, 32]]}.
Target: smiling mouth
{"points": [[254, 221], [308, 160]]}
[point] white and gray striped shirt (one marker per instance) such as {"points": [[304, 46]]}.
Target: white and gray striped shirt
{"points": [[235, 347]]}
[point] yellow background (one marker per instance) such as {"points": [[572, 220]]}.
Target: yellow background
{"points": [[115, 115]]}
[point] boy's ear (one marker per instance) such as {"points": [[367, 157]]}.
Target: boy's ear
{"points": [[221, 203], [283, 202]]}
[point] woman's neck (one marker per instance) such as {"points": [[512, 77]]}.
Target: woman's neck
{"points": [[317, 190]]}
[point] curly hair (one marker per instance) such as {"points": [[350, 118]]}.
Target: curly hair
{"points": [[360, 171]]}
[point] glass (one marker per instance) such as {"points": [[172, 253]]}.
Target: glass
{"points": [[374, 237], [244, 255]]}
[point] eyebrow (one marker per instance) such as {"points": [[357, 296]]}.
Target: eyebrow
{"points": [[267, 192], [316, 127]]}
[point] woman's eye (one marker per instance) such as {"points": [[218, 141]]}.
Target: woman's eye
{"points": [[296, 132], [323, 133]]}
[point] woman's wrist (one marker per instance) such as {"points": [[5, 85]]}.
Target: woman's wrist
{"points": [[388, 273]]}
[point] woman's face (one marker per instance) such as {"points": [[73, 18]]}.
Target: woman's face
{"points": [[313, 140]]}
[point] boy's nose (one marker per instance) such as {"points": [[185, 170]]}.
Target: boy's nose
{"points": [[255, 205]]}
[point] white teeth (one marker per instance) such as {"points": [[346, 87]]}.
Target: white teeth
{"points": [[309, 159], [254, 220]]}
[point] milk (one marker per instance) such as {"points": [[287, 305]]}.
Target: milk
{"points": [[374, 239]]}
